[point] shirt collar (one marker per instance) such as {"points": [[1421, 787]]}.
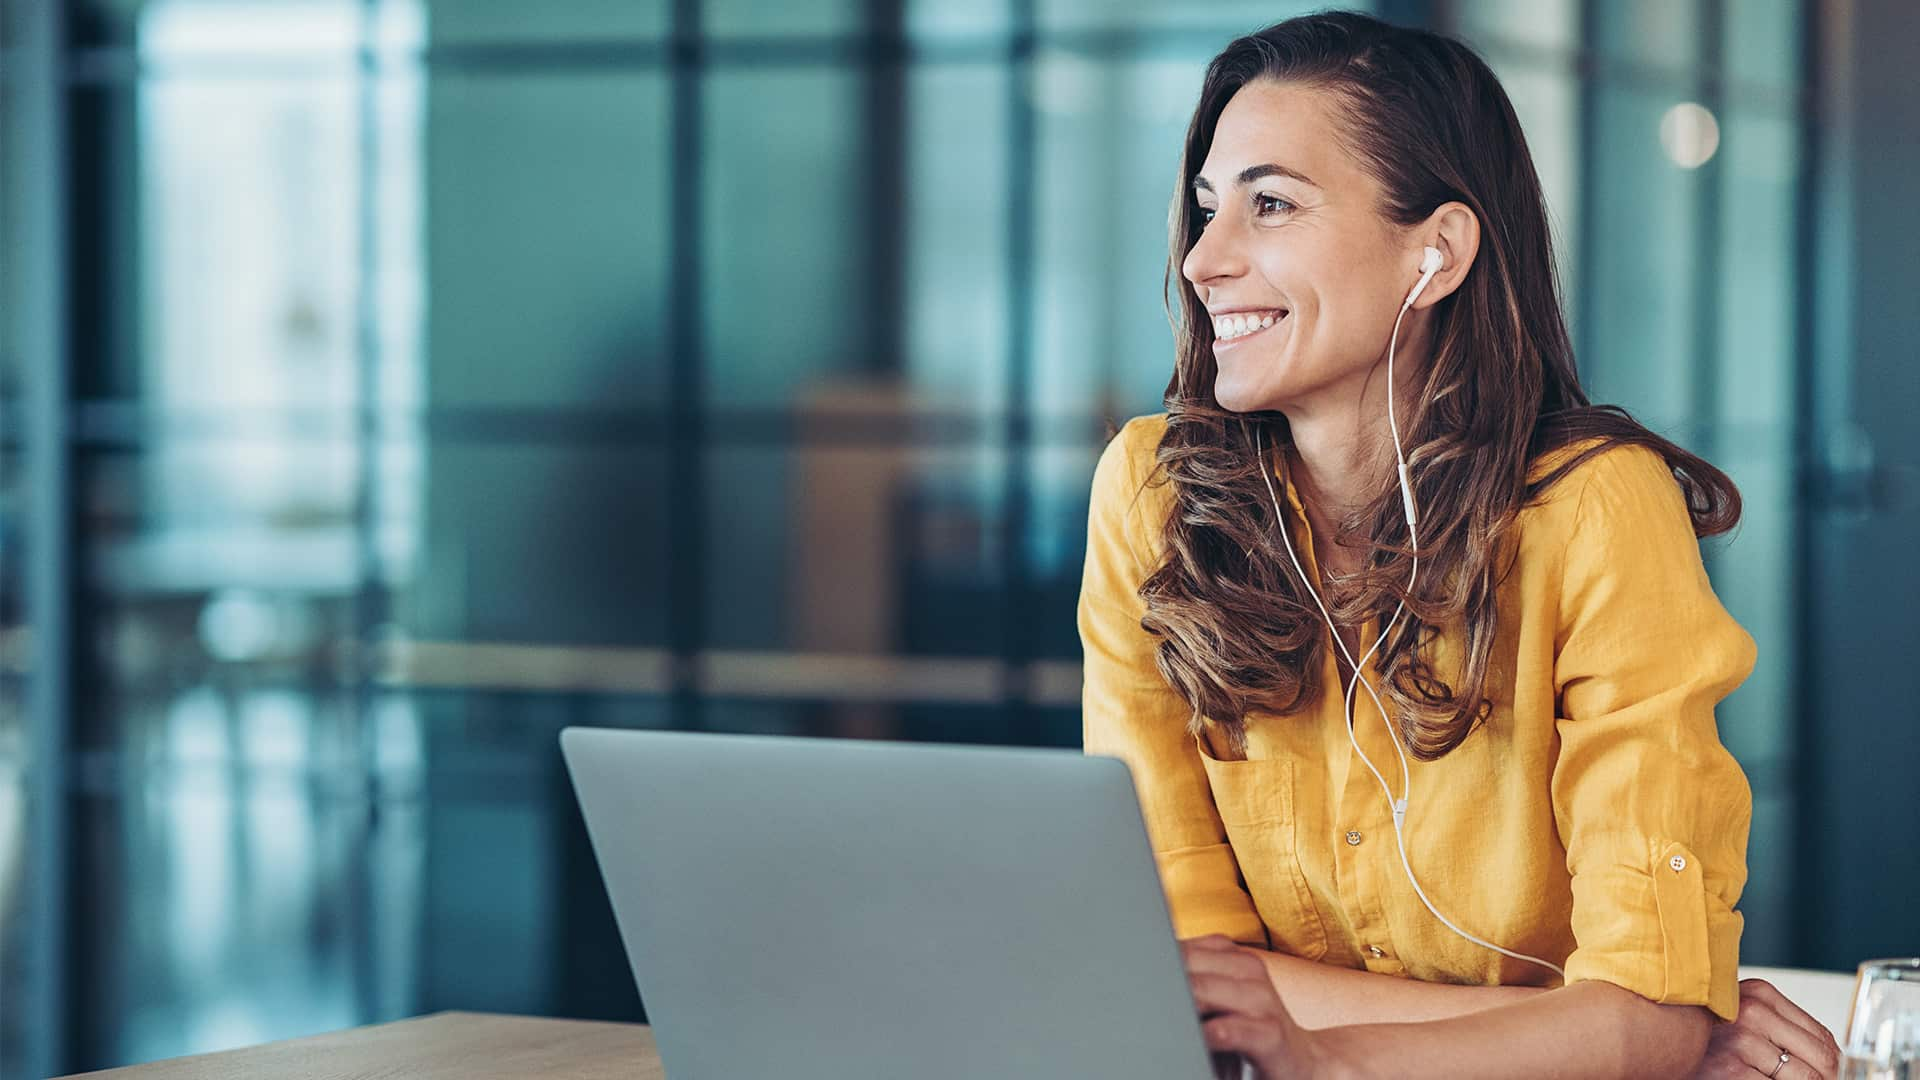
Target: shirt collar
{"points": [[1284, 471]]}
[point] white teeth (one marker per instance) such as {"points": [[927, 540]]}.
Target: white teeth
{"points": [[1228, 327]]}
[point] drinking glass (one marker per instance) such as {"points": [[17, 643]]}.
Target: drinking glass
{"points": [[1883, 1030]]}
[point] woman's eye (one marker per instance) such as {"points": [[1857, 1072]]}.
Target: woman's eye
{"points": [[1263, 205]]}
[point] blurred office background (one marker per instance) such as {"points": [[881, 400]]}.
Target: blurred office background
{"points": [[386, 384]]}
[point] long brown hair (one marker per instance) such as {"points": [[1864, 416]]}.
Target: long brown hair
{"points": [[1430, 122]]}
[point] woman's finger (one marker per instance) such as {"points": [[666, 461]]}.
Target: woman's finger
{"points": [[1753, 1048], [1795, 1069], [1762, 1054], [1238, 962], [1225, 994], [1260, 1043], [1762, 990], [1723, 1068], [1822, 1055]]}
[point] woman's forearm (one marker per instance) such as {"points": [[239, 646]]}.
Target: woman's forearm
{"points": [[1588, 1029], [1321, 995]]}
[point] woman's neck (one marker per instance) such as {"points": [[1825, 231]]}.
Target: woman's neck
{"points": [[1333, 479], [1340, 454], [1336, 467]]}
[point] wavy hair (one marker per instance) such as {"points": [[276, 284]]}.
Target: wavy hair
{"points": [[1431, 124]]}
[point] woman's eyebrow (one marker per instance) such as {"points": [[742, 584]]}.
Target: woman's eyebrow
{"points": [[1254, 172]]}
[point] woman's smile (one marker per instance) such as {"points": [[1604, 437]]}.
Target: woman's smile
{"points": [[1245, 329]]}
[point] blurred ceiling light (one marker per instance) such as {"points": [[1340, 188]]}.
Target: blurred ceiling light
{"points": [[238, 625], [1690, 134]]}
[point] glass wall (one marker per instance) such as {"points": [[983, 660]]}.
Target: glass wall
{"points": [[439, 374], [1677, 187]]}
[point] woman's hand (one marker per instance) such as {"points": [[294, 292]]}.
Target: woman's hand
{"points": [[1769, 1025], [1240, 1012]]}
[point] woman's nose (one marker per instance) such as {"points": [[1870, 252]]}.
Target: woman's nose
{"points": [[1213, 258]]}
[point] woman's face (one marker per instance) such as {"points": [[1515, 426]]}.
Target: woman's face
{"points": [[1293, 235]]}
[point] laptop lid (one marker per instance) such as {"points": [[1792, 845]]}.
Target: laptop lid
{"points": [[819, 909]]}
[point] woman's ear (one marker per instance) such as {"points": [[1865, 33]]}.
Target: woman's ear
{"points": [[1455, 230]]}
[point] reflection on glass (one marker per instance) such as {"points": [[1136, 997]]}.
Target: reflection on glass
{"points": [[784, 227], [535, 544], [779, 18], [513, 22], [253, 278], [547, 224], [1883, 1029], [17, 951], [15, 642], [1659, 36], [16, 930], [1546, 99], [1757, 309], [174, 29], [1060, 479], [258, 248], [245, 923], [1235, 16], [1641, 296], [1109, 144], [955, 245], [1494, 26], [248, 244], [239, 833], [934, 18], [14, 154], [825, 548], [1762, 44]]}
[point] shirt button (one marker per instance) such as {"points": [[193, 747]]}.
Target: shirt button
{"points": [[1678, 862], [1376, 951], [1353, 837]]}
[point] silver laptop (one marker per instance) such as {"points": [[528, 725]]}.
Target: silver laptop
{"points": [[827, 909]]}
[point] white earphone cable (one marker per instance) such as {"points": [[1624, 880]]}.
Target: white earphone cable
{"points": [[1399, 806]]}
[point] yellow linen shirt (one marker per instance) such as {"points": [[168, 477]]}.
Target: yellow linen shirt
{"points": [[1594, 820]]}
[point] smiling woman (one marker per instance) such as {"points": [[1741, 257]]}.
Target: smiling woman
{"points": [[1318, 247], [1547, 880]]}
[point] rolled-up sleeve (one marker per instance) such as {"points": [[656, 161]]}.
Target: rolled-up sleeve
{"points": [[1128, 711], [1651, 807]]}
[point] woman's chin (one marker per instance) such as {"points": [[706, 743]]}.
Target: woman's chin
{"points": [[1236, 395]]}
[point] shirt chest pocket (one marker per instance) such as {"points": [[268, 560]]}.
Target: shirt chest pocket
{"points": [[1255, 800]]}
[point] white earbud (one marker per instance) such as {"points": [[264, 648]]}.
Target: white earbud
{"points": [[1430, 263]]}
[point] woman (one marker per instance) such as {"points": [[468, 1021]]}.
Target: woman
{"points": [[1514, 849]]}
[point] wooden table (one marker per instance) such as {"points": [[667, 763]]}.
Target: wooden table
{"points": [[483, 1046], [450, 1045]]}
